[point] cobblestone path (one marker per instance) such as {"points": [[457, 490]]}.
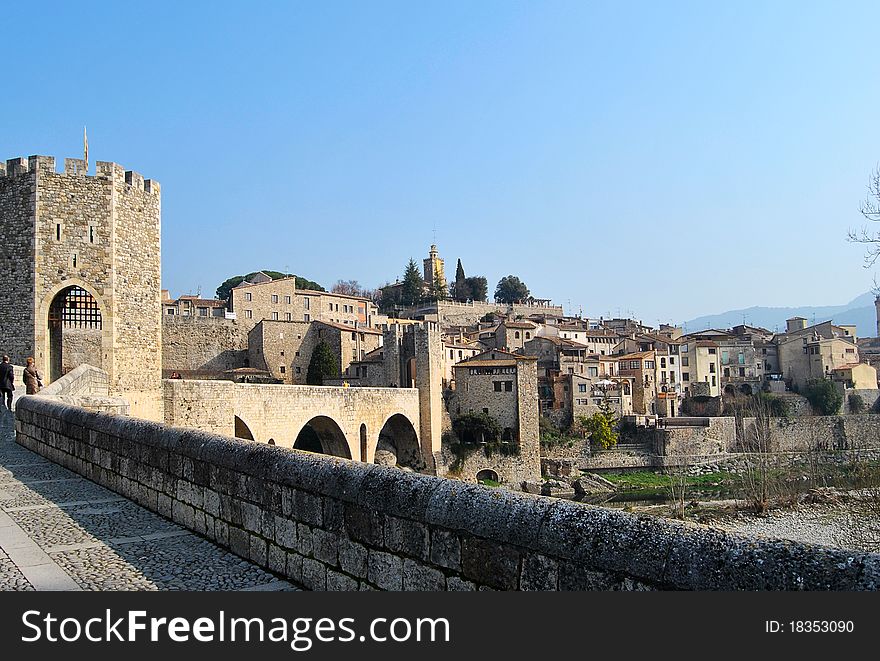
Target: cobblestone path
{"points": [[59, 531]]}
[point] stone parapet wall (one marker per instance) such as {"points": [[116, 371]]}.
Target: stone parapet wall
{"points": [[830, 432], [869, 398], [451, 313], [333, 524], [207, 345], [89, 387]]}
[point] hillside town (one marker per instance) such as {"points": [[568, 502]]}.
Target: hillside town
{"points": [[497, 360]]}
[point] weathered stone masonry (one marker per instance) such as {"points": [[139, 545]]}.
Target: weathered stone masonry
{"points": [[100, 233], [340, 525]]}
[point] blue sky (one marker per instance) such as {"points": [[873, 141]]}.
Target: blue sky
{"points": [[670, 159]]}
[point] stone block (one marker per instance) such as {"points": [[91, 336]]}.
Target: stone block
{"points": [[304, 539], [339, 582], [285, 532], [325, 546], [385, 570], [314, 574], [539, 573], [421, 577], [294, 567], [258, 550], [456, 584], [490, 563], [406, 537], [183, 514], [252, 517], [239, 542], [277, 559], [308, 508], [445, 549], [353, 558], [364, 525]]}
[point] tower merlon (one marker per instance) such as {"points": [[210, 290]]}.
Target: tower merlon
{"points": [[16, 166], [134, 179], [76, 167], [45, 164]]}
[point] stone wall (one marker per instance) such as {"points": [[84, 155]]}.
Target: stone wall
{"points": [[86, 386], [450, 313], [18, 208], [82, 346], [333, 524], [824, 432], [716, 438], [207, 345], [871, 399]]}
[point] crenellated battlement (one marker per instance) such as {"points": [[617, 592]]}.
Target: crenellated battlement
{"points": [[76, 167]]}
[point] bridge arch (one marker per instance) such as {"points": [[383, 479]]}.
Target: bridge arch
{"points": [[398, 437], [242, 430], [323, 435]]}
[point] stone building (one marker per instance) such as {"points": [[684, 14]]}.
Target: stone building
{"points": [[505, 386], [512, 335], [855, 376], [699, 364], [284, 348], [192, 306], [497, 383], [455, 352], [584, 396], [261, 297], [812, 352], [81, 258], [641, 369]]}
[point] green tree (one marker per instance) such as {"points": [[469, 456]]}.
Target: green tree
{"points": [[823, 396], [223, 291], [413, 290], [600, 426], [511, 289], [322, 364], [472, 428], [478, 287], [439, 290], [388, 298], [460, 290]]}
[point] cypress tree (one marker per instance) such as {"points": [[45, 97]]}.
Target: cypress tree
{"points": [[322, 364], [461, 289]]}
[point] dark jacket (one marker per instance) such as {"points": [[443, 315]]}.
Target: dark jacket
{"points": [[7, 376]]}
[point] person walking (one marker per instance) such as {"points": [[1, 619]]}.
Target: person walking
{"points": [[32, 379], [7, 381]]}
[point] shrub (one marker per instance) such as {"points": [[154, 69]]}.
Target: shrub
{"points": [[474, 428], [823, 396], [600, 426], [779, 407], [856, 403]]}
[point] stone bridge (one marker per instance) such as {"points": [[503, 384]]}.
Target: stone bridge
{"points": [[364, 424]]}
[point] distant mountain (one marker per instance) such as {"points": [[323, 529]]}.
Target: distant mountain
{"points": [[859, 311]]}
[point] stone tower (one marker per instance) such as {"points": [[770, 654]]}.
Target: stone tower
{"points": [[433, 267], [877, 309], [414, 359], [81, 259]]}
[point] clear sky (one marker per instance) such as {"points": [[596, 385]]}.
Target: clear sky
{"points": [[666, 158]]}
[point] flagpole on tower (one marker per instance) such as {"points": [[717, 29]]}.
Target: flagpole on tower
{"points": [[86, 148]]}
